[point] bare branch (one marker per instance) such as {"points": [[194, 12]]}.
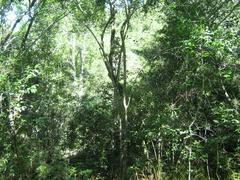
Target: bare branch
{"points": [[78, 6], [4, 41], [59, 18], [110, 20], [96, 39]]}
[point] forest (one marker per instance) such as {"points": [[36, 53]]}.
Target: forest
{"points": [[119, 89]]}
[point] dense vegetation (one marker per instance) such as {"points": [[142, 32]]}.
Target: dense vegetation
{"points": [[120, 89]]}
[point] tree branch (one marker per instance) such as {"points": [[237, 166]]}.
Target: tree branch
{"points": [[59, 18], [4, 41], [27, 32]]}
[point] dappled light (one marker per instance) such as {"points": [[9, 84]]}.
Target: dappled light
{"points": [[120, 89]]}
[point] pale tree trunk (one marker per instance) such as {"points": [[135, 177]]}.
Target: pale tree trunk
{"points": [[189, 163], [123, 148], [82, 61], [116, 64], [77, 62], [190, 150], [207, 161], [121, 111]]}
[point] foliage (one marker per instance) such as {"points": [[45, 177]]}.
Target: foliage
{"points": [[87, 87]]}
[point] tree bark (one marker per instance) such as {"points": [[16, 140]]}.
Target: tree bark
{"points": [[116, 64]]}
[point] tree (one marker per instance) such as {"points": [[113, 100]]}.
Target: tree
{"points": [[119, 89], [115, 61], [186, 73]]}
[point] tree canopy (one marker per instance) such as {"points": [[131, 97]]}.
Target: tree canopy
{"points": [[120, 89]]}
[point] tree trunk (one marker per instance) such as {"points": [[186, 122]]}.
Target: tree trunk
{"points": [[121, 116], [123, 150], [116, 64]]}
